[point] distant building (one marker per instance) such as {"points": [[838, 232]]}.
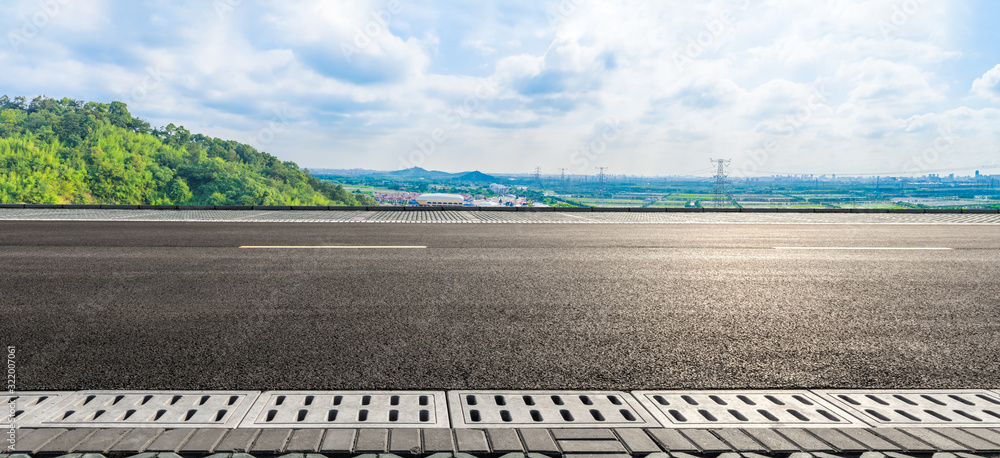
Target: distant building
{"points": [[446, 200], [499, 188]]}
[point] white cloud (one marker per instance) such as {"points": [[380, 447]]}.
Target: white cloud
{"points": [[367, 81], [988, 86]]}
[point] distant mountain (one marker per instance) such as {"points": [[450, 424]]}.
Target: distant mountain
{"points": [[417, 172], [344, 172], [413, 173], [478, 177]]}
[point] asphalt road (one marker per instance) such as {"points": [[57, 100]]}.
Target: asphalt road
{"points": [[130, 305]]}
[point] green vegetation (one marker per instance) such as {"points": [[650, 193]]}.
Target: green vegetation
{"points": [[67, 151]]}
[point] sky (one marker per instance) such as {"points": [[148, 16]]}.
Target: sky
{"points": [[644, 87]]}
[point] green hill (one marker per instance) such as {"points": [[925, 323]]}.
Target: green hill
{"points": [[71, 152]]}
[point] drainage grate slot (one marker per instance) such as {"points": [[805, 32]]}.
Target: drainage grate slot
{"points": [[875, 414], [988, 399], [535, 409], [356, 409], [969, 416], [737, 415], [798, 415], [928, 408], [802, 399], [743, 408], [768, 415], [877, 399], [960, 399], [932, 399], [937, 415], [138, 409], [828, 415]]}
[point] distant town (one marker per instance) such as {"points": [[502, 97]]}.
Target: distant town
{"points": [[417, 186]]}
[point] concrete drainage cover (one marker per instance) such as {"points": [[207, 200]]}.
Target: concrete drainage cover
{"points": [[901, 408], [547, 409], [724, 409], [146, 409], [28, 404], [355, 409]]}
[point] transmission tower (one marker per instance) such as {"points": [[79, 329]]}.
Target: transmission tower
{"points": [[600, 181], [538, 176], [720, 180], [563, 173]]}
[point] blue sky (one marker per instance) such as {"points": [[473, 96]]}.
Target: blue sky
{"points": [[641, 87]]}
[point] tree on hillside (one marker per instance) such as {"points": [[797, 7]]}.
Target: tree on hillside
{"points": [[69, 151]]}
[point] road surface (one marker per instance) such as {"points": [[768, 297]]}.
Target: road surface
{"points": [[179, 305]]}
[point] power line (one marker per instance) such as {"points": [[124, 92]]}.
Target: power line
{"points": [[873, 174]]}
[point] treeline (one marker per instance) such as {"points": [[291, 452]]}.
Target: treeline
{"points": [[70, 152]]}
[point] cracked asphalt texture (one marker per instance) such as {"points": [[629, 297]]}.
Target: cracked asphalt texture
{"points": [[175, 305]]}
